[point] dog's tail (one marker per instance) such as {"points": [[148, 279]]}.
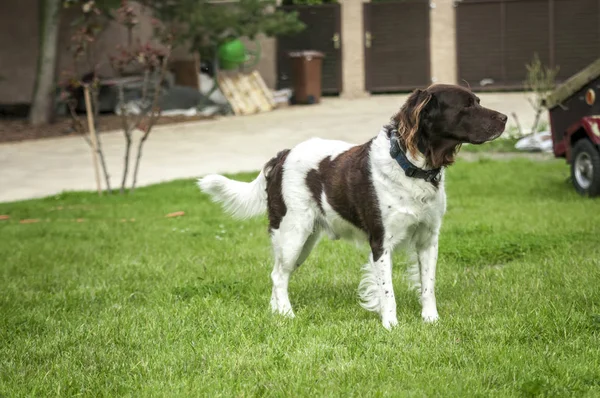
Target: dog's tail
{"points": [[239, 199]]}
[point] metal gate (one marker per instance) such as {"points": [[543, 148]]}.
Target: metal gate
{"points": [[322, 33], [497, 38], [396, 42]]}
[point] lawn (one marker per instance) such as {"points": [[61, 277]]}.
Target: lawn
{"points": [[501, 145], [128, 302]]}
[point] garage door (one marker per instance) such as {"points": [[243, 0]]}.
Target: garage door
{"points": [[497, 38], [322, 33], [396, 42]]}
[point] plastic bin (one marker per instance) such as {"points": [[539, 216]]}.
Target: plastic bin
{"points": [[306, 76]]}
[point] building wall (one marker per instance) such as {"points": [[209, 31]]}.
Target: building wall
{"points": [[442, 45], [19, 49], [353, 52], [443, 41], [267, 64]]}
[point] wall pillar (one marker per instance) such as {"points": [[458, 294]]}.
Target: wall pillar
{"points": [[443, 42], [353, 51]]}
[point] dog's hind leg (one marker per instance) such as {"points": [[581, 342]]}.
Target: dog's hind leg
{"points": [[291, 246]]}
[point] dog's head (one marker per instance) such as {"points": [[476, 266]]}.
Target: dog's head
{"points": [[437, 120]]}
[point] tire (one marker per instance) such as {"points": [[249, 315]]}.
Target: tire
{"points": [[585, 168]]}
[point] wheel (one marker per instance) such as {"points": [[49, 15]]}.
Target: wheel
{"points": [[585, 168]]}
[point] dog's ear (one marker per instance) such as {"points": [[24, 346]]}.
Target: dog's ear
{"points": [[409, 118]]}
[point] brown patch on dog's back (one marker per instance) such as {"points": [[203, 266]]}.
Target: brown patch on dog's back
{"points": [[274, 174], [350, 192]]}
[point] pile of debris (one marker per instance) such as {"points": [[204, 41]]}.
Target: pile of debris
{"points": [[188, 90], [537, 142]]}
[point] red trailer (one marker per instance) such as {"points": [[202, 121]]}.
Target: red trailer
{"points": [[574, 109]]}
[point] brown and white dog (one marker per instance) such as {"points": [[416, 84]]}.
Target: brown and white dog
{"points": [[388, 191]]}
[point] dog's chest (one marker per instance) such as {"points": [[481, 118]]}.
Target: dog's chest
{"points": [[406, 212]]}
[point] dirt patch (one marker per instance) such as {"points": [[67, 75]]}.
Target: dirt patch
{"points": [[12, 130]]}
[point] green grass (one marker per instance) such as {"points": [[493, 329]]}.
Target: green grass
{"points": [[503, 145], [179, 306]]}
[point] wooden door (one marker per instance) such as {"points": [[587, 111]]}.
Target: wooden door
{"points": [[396, 43], [497, 38], [322, 33]]}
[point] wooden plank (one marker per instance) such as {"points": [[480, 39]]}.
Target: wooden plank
{"points": [[573, 84], [255, 94], [238, 96], [246, 93], [262, 86], [228, 89]]}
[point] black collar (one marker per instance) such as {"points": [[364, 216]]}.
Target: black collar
{"points": [[396, 152]]}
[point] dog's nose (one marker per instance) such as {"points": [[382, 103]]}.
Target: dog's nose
{"points": [[502, 117]]}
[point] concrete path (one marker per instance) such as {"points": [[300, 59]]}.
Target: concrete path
{"points": [[231, 144]]}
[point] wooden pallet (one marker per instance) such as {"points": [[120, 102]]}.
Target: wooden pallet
{"points": [[247, 93]]}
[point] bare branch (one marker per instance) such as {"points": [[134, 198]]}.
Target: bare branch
{"points": [[155, 113], [77, 125], [127, 133], [99, 150], [540, 81], [536, 121], [138, 118], [145, 84], [514, 115]]}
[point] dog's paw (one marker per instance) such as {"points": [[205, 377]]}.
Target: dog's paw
{"points": [[285, 312], [283, 309], [389, 323], [430, 316]]}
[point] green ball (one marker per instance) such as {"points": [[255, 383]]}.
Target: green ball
{"points": [[232, 54]]}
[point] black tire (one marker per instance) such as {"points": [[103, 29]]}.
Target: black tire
{"points": [[585, 168]]}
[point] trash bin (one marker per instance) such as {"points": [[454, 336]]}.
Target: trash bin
{"points": [[306, 76]]}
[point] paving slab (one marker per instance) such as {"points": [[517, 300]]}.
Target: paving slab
{"points": [[230, 144]]}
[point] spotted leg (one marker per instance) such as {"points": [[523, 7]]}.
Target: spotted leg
{"points": [[428, 254], [383, 269]]}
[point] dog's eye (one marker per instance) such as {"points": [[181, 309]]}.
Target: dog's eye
{"points": [[472, 102]]}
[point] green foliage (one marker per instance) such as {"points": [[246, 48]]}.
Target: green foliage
{"points": [[502, 145], [540, 81], [204, 25], [307, 2], [179, 307]]}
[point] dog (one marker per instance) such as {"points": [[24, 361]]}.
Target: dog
{"points": [[388, 192]]}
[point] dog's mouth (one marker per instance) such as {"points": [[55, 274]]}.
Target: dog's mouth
{"points": [[490, 135], [488, 139]]}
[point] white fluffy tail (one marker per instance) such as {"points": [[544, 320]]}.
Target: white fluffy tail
{"points": [[368, 290], [239, 199]]}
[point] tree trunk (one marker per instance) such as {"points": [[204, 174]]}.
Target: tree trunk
{"points": [[43, 95]]}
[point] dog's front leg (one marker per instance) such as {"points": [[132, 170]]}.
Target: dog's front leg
{"points": [[381, 261], [428, 255]]}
